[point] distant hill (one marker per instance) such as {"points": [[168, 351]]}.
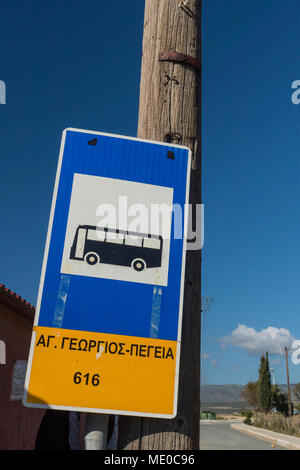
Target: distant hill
{"points": [[227, 393], [221, 393]]}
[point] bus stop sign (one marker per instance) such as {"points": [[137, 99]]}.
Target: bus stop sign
{"points": [[107, 328]]}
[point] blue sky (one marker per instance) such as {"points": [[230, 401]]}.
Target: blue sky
{"points": [[74, 63], [251, 179]]}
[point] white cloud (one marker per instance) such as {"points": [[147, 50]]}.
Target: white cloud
{"points": [[206, 356], [214, 363], [253, 342]]}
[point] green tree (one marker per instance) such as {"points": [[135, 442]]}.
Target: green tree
{"points": [[264, 384], [279, 400], [250, 394]]}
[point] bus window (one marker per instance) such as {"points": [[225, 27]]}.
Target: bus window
{"points": [[96, 235], [132, 240], [80, 243], [114, 237], [152, 243]]}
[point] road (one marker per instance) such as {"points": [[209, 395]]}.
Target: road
{"points": [[220, 436]]}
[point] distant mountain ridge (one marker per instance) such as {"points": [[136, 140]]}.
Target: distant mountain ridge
{"points": [[221, 393], [227, 393]]}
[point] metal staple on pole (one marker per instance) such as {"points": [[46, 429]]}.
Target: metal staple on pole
{"points": [[183, 4], [174, 56]]}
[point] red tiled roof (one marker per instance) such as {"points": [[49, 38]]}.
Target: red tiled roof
{"points": [[16, 298]]}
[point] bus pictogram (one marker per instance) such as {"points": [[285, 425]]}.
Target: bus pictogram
{"points": [[95, 245]]}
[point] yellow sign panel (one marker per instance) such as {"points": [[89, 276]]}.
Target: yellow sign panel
{"points": [[98, 371]]}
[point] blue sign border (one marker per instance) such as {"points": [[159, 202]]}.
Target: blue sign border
{"points": [[104, 305]]}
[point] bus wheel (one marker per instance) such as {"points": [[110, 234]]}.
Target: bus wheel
{"points": [[138, 264], [92, 258]]}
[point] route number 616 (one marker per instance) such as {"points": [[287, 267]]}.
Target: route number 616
{"points": [[86, 379]]}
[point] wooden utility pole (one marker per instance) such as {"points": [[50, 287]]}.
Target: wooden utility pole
{"points": [[170, 111], [288, 382]]}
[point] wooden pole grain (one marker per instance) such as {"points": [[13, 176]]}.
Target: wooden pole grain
{"points": [[170, 111]]}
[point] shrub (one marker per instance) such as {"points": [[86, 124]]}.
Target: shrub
{"points": [[247, 413], [278, 423], [247, 420]]}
